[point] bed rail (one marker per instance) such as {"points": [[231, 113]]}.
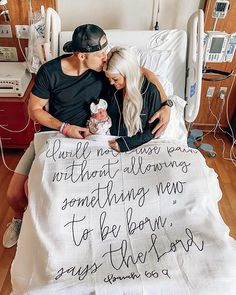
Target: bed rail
{"points": [[195, 30]]}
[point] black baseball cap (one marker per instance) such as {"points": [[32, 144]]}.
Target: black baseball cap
{"points": [[86, 38]]}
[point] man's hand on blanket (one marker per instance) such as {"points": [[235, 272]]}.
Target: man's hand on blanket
{"points": [[86, 132], [114, 145], [74, 131], [164, 117]]}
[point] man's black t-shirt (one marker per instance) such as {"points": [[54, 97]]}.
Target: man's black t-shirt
{"points": [[69, 96]]}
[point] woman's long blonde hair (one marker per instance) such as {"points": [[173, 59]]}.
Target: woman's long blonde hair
{"points": [[124, 62]]}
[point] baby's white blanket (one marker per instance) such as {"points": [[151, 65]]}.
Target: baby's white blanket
{"points": [[141, 222]]}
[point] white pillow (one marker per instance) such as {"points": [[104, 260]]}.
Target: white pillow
{"points": [[166, 84], [156, 61], [176, 129]]}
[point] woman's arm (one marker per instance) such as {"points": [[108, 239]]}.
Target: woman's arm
{"points": [[125, 143], [152, 102], [164, 113]]}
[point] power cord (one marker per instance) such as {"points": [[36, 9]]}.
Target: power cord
{"points": [[22, 52], [12, 131], [232, 156], [3, 157], [17, 131]]}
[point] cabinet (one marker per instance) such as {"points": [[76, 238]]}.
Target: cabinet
{"points": [[14, 116]]}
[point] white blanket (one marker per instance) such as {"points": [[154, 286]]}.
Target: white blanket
{"points": [[142, 222]]}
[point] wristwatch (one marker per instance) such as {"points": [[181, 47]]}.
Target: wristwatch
{"points": [[168, 103]]}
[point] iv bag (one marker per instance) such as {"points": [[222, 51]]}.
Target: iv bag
{"points": [[36, 40]]}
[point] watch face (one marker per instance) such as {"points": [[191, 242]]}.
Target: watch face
{"points": [[169, 102]]}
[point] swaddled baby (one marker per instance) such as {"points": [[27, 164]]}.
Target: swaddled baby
{"points": [[99, 122]]}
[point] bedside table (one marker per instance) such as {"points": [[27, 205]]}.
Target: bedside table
{"points": [[14, 116]]}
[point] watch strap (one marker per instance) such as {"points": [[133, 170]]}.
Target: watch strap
{"points": [[167, 102]]}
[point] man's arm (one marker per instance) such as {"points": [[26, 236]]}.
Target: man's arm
{"points": [[38, 114], [164, 113]]}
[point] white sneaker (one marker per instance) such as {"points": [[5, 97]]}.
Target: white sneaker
{"points": [[12, 232]]}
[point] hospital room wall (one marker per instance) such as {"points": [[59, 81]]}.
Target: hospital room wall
{"points": [[205, 119], [123, 14], [173, 13]]}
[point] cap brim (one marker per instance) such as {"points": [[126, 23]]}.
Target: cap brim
{"points": [[68, 47]]}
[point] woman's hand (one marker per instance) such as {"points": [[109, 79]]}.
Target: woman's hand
{"points": [[164, 117], [114, 145]]}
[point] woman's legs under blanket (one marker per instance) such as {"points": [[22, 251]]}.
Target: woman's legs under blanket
{"points": [[17, 196]]}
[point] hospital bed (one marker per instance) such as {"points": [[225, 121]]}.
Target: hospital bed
{"points": [[141, 222], [175, 56]]}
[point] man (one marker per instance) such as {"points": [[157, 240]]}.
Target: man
{"points": [[67, 84]]}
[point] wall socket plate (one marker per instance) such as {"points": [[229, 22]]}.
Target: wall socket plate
{"points": [[22, 31], [222, 92], [5, 31], [224, 89], [210, 91], [8, 54]]}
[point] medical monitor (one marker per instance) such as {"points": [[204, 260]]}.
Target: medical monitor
{"points": [[215, 46], [220, 9]]}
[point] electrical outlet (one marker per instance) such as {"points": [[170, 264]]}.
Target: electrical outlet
{"points": [[210, 91], [22, 31], [5, 31], [222, 92]]}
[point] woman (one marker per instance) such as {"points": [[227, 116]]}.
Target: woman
{"points": [[132, 102]]}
